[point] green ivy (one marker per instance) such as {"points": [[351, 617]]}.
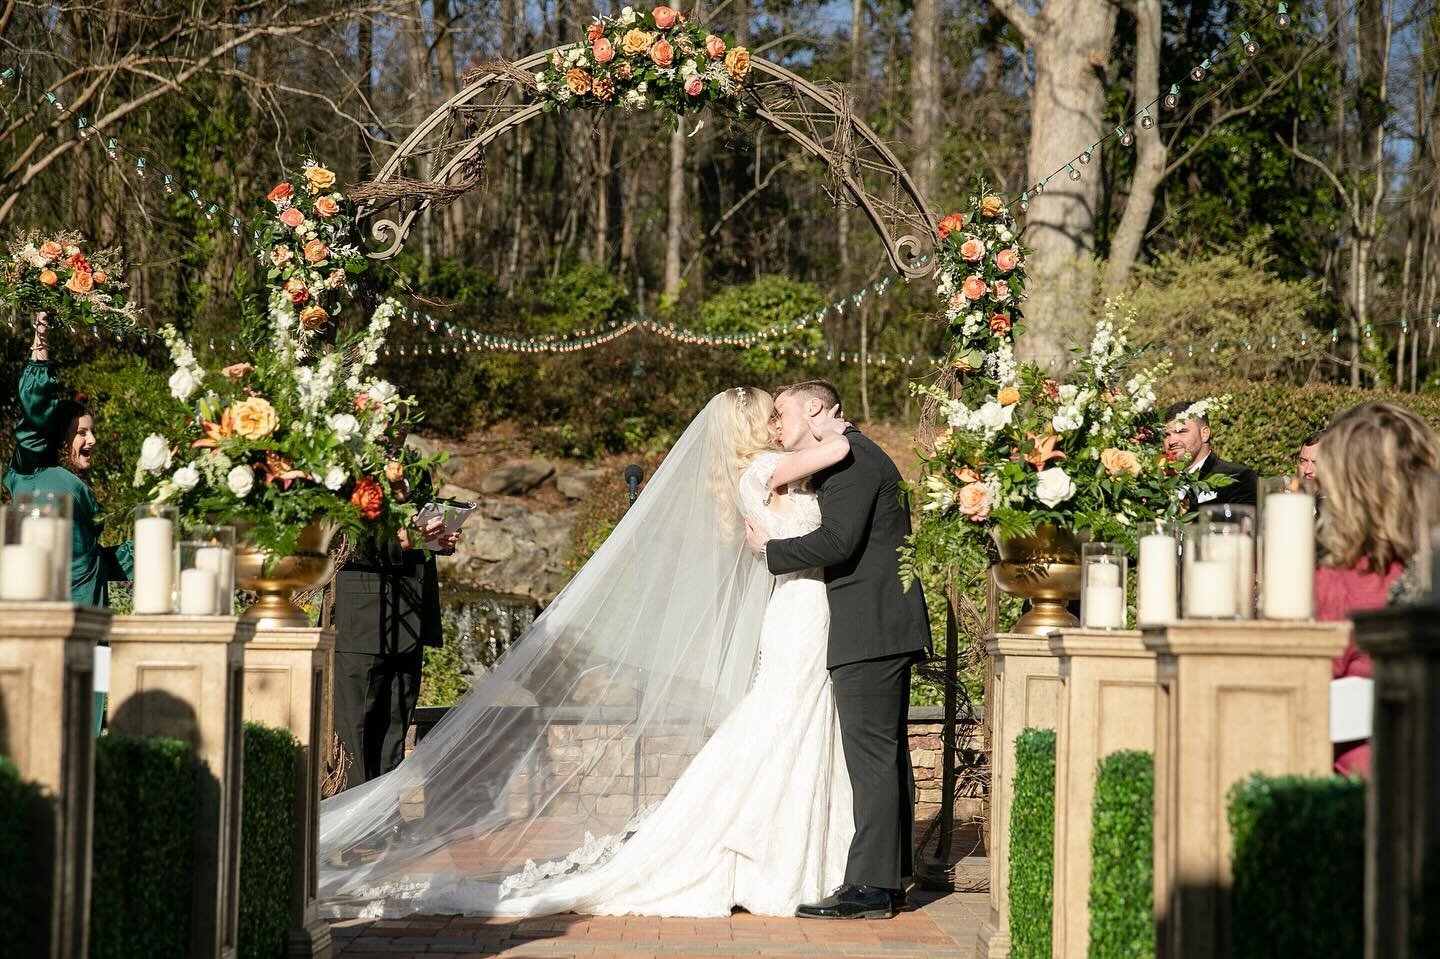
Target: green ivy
{"points": [[26, 833], [144, 836], [1299, 867], [266, 839], [1122, 858], [1032, 845]]}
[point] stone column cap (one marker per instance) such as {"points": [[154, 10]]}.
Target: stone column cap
{"points": [[1248, 637], [161, 628], [1129, 643], [53, 621], [1399, 631], [294, 638], [1019, 644]]}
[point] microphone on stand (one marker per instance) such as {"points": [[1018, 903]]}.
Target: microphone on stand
{"points": [[633, 475]]}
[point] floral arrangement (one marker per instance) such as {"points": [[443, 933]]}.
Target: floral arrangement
{"points": [[53, 274], [639, 60], [981, 278]]}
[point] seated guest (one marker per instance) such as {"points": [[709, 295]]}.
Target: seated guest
{"points": [[1187, 440], [1377, 455], [54, 449], [1305, 463]]}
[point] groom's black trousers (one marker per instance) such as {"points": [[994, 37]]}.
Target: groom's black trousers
{"points": [[873, 700]]}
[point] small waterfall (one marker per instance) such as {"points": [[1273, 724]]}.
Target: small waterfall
{"points": [[483, 625]]}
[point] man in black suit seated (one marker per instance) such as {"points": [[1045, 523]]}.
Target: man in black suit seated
{"points": [[1187, 440]]}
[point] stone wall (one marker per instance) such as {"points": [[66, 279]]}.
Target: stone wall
{"points": [[508, 547]]}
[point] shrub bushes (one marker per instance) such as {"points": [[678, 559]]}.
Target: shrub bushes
{"points": [[266, 838], [145, 796], [1122, 858], [1299, 869], [26, 835], [1032, 844]]}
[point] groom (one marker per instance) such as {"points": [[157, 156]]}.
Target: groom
{"points": [[877, 630]]}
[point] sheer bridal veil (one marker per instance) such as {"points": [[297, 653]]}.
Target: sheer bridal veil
{"points": [[589, 719]]}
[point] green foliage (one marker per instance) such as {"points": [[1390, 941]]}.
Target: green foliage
{"points": [[1032, 844], [26, 834], [442, 681], [1122, 858], [597, 514], [1299, 867], [144, 835], [754, 306], [267, 833]]}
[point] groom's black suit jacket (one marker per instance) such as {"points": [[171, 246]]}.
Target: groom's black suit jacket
{"points": [[1243, 492], [863, 523]]}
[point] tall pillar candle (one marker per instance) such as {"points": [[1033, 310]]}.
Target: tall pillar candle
{"points": [[154, 564], [1210, 588], [28, 573], [220, 561], [198, 593], [1288, 544], [1155, 593], [53, 533]]}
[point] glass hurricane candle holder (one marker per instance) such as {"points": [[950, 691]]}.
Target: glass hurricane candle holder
{"points": [[215, 551], [46, 521], [1157, 592], [1220, 564], [155, 526], [26, 570], [1287, 548], [1102, 585]]}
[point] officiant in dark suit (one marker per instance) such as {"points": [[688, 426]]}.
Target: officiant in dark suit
{"points": [[1187, 440]]}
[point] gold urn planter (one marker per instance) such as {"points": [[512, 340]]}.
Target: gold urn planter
{"points": [[1044, 569], [308, 567]]}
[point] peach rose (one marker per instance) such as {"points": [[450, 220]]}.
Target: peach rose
{"points": [[595, 31], [394, 471], [1006, 260], [1008, 396], [51, 250], [48, 277], [965, 474], [316, 250], [973, 288], [292, 217], [295, 289], [254, 418], [999, 324], [1001, 290], [694, 86], [974, 501], [737, 64], [237, 371], [314, 317], [80, 282], [602, 50], [664, 17], [318, 178], [956, 301], [603, 88], [972, 249], [663, 54], [635, 43], [326, 207], [335, 278], [281, 255], [714, 47], [1120, 461], [368, 497], [282, 191], [950, 224], [99, 276], [991, 205], [578, 81]]}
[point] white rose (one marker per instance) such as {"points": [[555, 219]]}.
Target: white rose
{"points": [[993, 416], [335, 478], [184, 383], [186, 478], [241, 480], [382, 391], [628, 16], [345, 425], [1054, 487], [155, 454]]}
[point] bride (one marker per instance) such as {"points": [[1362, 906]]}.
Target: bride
{"points": [[662, 742]]}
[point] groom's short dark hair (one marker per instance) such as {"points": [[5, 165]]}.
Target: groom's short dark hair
{"points": [[821, 390]]}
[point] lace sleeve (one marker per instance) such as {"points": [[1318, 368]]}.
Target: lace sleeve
{"points": [[755, 482]]}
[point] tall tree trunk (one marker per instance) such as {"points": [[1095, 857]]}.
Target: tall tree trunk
{"points": [[925, 95], [675, 205], [855, 78], [454, 213], [1150, 153]]}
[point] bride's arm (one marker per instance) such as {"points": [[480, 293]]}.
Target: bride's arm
{"points": [[808, 462]]}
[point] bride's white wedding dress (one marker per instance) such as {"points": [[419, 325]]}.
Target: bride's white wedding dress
{"points": [[761, 818]]}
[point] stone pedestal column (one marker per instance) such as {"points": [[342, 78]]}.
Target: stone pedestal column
{"points": [[180, 676], [1025, 694], [1402, 829], [1107, 703], [1233, 698], [47, 663], [286, 673]]}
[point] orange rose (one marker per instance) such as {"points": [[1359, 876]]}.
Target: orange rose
{"points": [[316, 250], [662, 54], [99, 276], [972, 250], [999, 324], [578, 81], [254, 418], [950, 224], [295, 289], [318, 178], [991, 205], [78, 262], [602, 50], [1008, 396], [1006, 260], [1120, 461], [80, 282], [48, 277], [974, 501], [595, 31], [664, 17], [714, 47], [326, 207], [292, 217], [635, 42], [51, 250], [973, 287], [282, 191], [737, 64], [394, 471], [368, 497], [314, 317]]}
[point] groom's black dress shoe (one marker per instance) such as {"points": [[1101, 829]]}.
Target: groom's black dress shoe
{"points": [[852, 902]]}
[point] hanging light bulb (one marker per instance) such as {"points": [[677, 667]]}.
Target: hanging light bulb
{"points": [[83, 125], [1198, 72], [1024, 206], [1172, 99], [1251, 47], [54, 101], [1040, 187], [1147, 122], [169, 184], [210, 213], [1073, 173], [1086, 157], [111, 148], [234, 226], [195, 195], [5, 76], [140, 166], [1126, 137], [1282, 16]]}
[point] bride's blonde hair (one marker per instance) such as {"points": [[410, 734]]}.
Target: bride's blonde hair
{"points": [[748, 411]]}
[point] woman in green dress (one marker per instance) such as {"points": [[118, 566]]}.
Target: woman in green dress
{"points": [[54, 449]]}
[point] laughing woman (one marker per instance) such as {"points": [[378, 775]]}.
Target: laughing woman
{"points": [[54, 449]]}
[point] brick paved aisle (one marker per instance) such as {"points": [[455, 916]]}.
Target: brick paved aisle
{"points": [[942, 928]]}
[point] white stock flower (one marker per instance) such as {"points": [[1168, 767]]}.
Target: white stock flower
{"points": [[186, 478], [240, 480], [335, 477], [183, 383], [345, 425], [1053, 487], [957, 414], [939, 495], [155, 454]]}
